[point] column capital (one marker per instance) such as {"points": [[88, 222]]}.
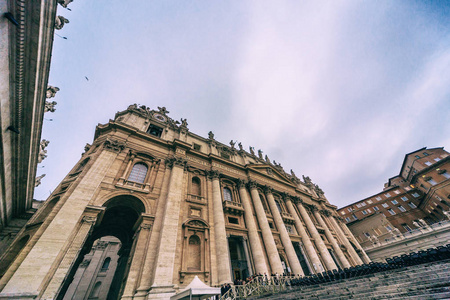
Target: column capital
{"points": [[313, 207], [297, 200], [89, 219], [252, 184], [175, 161], [114, 145], [241, 183], [146, 226], [325, 212], [286, 197], [213, 174], [268, 189]]}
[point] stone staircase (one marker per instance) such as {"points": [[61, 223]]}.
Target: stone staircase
{"points": [[425, 281]]}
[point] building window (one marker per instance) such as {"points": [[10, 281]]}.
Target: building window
{"points": [[391, 211], [385, 205], [368, 210], [138, 173], [417, 156], [406, 226], [364, 212], [195, 253], [289, 228], [363, 203], [446, 175], [404, 198], [402, 209], [437, 159], [426, 154], [196, 186], [366, 234], [342, 212], [388, 227], [375, 208], [431, 181], [358, 205], [394, 202], [232, 220], [347, 219], [428, 163], [415, 195], [96, 290], [271, 225], [278, 206], [354, 217], [106, 263], [197, 147], [155, 130], [412, 205], [227, 194], [378, 198], [369, 201], [387, 195], [397, 192]]}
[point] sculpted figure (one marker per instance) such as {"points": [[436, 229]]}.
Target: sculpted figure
{"points": [[60, 21], [260, 154], [37, 182], [293, 174], [64, 3], [252, 150], [267, 159], [50, 106], [232, 144], [163, 110], [307, 180], [211, 135], [42, 151], [184, 122], [51, 91], [240, 146]]}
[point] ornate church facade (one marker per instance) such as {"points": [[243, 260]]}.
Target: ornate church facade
{"points": [[178, 205]]}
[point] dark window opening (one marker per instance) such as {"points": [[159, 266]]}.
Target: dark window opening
{"points": [[155, 130], [232, 220], [197, 147]]}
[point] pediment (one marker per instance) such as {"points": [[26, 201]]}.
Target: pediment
{"points": [[269, 171]]}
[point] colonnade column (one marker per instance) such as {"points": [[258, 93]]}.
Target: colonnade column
{"points": [[326, 256], [310, 250], [330, 237], [284, 235], [365, 258], [165, 259], [346, 242], [269, 243], [255, 243], [222, 253]]}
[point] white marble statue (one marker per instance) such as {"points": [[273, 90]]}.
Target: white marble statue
{"points": [[37, 182]]}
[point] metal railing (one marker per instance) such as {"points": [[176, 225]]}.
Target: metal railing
{"points": [[258, 286]]}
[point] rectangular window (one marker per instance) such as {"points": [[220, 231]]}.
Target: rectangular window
{"points": [[197, 147], [416, 195], [428, 163], [446, 175], [155, 130], [394, 202], [232, 220], [363, 204], [407, 188], [364, 212], [417, 156], [369, 201], [437, 159], [431, 181], [368, 210], [388, 228], [358, 205], [412, 205], [404, 198], [391, 211], [406, 226], [350, 209], [402, 209], [387, 195], [342, 212], [397, 192], [271, 225], [385, 205], [426, 154], [354, 217], [378, 198], [347, 219], [375, 208]]}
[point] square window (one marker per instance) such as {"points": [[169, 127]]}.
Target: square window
{"points": [[412, 205], [347, 219], [375, 208], [404, 198], [446, 175], [378, 198], [394, 202], [426, 154], [431, 181], [369, 201], [391, 211], [417, 156], [428, 163], [397, 192], [155, 130], [197, 147], [402, 209], [387, 195], [385, 205], [363, 204], [232, 220], [342, 212], [416, 195], [437, 159], [407, 188], [358, 205], [350, 209]]}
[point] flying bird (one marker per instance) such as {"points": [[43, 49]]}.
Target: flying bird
{"points": [[86, 78]]}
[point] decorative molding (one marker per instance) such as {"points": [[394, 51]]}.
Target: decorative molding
{"points": [[176, 161], [268, 189], [241, 183], [89, 219], [325, 212], [213, 174], [114, 145], [252, 184], [146, 226]]}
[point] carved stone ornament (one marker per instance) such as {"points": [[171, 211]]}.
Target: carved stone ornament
{"points": [[51, 91], [211, 135], [240, 147], [232, 143], [307, 180], [252, 184], [89, 219], [252, 150], [268, 189], [267, 159], [38, 179], [64, 3], [42, 152], [213, 174], [176, 161], [297, 200], [286, 197], [260, 154], [50, 106], [87, 147], [85, 263], [325, 212], [114, 145], [313, 208], [195, 223], [241, 183], [146, 226], [59, 22]]}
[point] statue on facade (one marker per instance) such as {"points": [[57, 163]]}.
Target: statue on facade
{"points": [[240, 147], [42, 151], [64, 3], [293, 174], [307, 180], [184, 123], [163, 110], [252, 150], [232, 144], [59, 22], [50, 106], [51, 91], [267, 159], [211, 135], [260, 154], [37, 182]]}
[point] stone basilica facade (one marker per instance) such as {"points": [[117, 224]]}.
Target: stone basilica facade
{"points": [[177, 205]]}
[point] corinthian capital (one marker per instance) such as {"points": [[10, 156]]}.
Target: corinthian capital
{"points": [[252, 184], [268, 189], [213, 174], [175, 161], [325, 212], [241, 183]]}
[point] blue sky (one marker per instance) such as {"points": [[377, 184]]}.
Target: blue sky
{"points": [[336, 90]]}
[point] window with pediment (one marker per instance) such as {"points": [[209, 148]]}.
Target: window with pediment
{"points": [[196, 186], [227, 195]]}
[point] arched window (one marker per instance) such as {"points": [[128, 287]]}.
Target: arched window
{"points": [[227, 196], [106, 262], [278, 206], [263, 200], [194, 258], [138, 173], [96, 290], [196, 186]]}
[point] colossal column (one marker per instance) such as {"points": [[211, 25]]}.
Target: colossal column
{"points": [[222, 253], [365, 258], [326, 256], [165, 260], [330, 237], [284, 235], [269, 243], [346, 242], [310, 251], [255, 243]]}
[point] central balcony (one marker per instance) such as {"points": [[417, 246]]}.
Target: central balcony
{"points": [[234, 208]]}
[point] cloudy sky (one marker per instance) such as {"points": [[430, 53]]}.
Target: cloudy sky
{"points": [[337, 90]]}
